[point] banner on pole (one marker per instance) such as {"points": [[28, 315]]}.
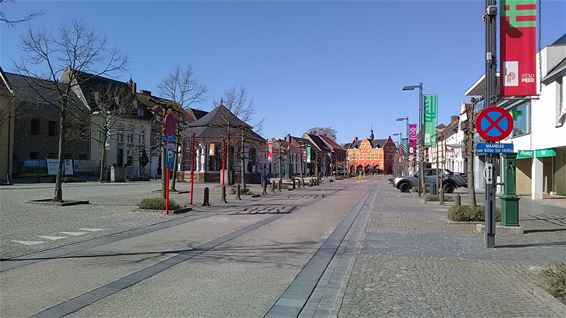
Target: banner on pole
{"points": [[405, 145], [518, 33], [308, 154], [430, 114], [211, 150], [269, 151], [413, 134]]}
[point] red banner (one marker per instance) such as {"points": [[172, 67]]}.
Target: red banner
{"points": [[413, 135], [518, 33], [269, 151]]}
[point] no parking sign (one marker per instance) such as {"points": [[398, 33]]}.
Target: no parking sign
{"points": [[494, 124]]}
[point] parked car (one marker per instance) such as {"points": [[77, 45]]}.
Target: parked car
{"points": [[450, 181]]}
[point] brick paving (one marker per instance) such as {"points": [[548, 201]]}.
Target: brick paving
{"points": [[411, 262]]}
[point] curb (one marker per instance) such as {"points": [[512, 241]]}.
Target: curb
{"points": [[64, 203]]}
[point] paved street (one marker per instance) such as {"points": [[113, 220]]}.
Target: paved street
{"points": [[348, 248]]}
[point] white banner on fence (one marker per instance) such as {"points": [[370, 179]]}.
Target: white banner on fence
{"points": [[53, 165]]}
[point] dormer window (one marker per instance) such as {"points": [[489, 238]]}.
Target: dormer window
{"points": [[141, 112]]}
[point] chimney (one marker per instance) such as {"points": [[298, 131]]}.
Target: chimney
{"points": [[288, 138], [454, 118], [133, 86], [145, 92]]}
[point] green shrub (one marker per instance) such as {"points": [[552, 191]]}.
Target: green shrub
{"points": [[157, 204], [467, 213], [555, 279]]}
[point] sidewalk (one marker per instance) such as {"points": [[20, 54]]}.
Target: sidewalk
{"points": [[411, 262]]}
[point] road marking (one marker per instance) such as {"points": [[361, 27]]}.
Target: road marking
{"points": [[90, 230], [29, 243], [73, 233], [52, 238]]}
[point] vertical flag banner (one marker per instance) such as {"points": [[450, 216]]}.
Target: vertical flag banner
{"points": [[211, 150], [269, 151], [405, 145], [413, 134], [430, 112], [308, 154], [518, 33]]}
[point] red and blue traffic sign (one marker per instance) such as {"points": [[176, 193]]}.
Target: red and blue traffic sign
{"points": [[494, 123], [170, 124]]}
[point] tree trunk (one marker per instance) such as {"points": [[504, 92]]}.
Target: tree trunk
{"points": [[102, 158], [58, 196], [470, 156], [175, 163]]}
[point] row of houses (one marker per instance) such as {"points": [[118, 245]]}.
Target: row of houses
{"points": [[113, 121], [538, 135]]}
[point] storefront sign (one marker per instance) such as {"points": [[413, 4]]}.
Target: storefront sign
{"points": [[518, 34], [53, 165], [541, 153]]}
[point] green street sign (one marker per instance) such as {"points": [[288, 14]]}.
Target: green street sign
{"points": [[541, 153]]}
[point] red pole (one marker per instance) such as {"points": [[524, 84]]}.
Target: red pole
{"points": [[166, 191], [193, 155], [223, 160]]}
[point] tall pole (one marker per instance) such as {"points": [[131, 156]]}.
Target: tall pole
{"points": [[421, 140], [490, 99], [193, 155]]}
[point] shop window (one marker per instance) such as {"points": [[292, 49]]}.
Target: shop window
{"points": [[521, 114], [35, 126], [52, 128]]}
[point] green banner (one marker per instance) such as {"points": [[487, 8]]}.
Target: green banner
{"points": [[308, 154], [430, 114]]}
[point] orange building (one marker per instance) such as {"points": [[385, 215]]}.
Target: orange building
{"points": [[372, 155]]}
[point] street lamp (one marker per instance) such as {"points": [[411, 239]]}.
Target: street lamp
{"points": [[406, 153], [421, 133]]}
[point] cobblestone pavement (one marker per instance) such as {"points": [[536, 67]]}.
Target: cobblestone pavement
{"points": [[411, 262]]}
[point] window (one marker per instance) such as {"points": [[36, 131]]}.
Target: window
{"points": [[129, 161], [34, 155], [35, 126], [560, 109], [52, 128], [51, 155], [68, 156], [521, 119], [141, 112], [141, 139], [82, 156], [120, 158]]}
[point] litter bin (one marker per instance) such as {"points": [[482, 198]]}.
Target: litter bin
{"points": [[432, 187]]}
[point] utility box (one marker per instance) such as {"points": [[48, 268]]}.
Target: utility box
{"points": [[117, 174], [509, 198]]}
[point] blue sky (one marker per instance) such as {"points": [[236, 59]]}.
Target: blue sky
{"points": [[306, 63]]}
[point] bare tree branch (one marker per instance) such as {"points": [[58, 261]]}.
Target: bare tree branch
{"points": [[240, 104], [181, 86], [324, 131], [13, 21]]}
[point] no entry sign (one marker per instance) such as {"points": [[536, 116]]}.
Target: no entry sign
{"points": [[170, 124], [494, 124]]}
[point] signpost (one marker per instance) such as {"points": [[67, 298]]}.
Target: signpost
{"points": [[193, 155], [170, 143]]}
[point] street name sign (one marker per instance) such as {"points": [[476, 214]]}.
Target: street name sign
{"points": [[494, 123], [494, 148]]}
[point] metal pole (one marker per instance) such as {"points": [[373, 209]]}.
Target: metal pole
{"points": [[421, 140], [490, 99], [193, 155]]}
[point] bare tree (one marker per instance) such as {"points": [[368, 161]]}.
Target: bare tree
{"points": [[323, 131], [112, 103], [62, 59], [13, 21], [240, 104], [469, 149], [182, 87]]}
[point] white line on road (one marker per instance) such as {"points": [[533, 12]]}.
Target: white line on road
{"points": [[73, 233], [29, 243], [52, 238], [90, 230]]}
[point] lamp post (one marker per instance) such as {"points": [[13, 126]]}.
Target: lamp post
{"points": [[406, 153], [421, 134], [399, 167]]}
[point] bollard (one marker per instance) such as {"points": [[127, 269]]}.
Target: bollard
{"points": [[293, 183], [303, 181], [238, 189], [224, 194], [206, 201], [279, 185], [457, 200], [273, 186], [441, 197], [299, 184], [264, 186]]}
